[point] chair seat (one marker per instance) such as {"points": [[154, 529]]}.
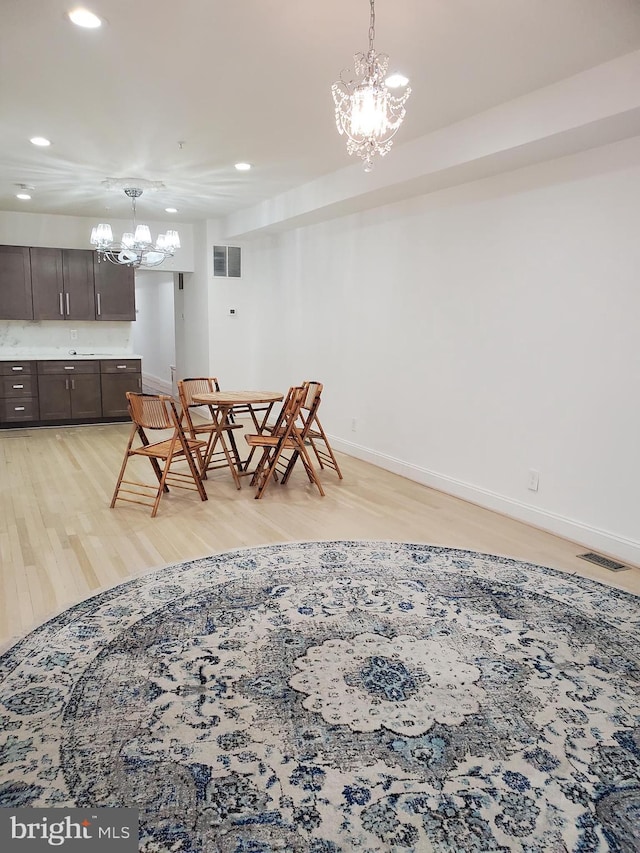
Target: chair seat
{"points": [[268, 441], [160, 449]]}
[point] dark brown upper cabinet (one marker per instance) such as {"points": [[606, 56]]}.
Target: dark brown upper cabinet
{"points": [[115, 291], [62, 284], [15, 283]]}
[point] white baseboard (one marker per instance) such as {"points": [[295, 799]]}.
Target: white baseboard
{"points": [[625, 550], [156, 385]]}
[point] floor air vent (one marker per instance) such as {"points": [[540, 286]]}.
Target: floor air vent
{"points": [[605, 562]]}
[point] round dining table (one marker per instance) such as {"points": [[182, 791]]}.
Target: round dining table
{"points": [[221, 405]]}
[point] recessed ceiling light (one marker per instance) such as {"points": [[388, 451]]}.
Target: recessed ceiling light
{"points": [[243, 167], [396, 80], [171, 209], [23, 196], [84, 18], [39, 140]]}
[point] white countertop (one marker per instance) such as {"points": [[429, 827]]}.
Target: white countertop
{"points": [[67, 355]]}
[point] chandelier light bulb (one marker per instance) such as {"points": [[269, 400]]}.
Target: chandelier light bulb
{"points": [[366, 111], [142, 235], [172, 240], [103, 234], [369, 111]]}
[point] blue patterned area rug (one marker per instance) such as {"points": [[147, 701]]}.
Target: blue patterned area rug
{"points": [[334, 697]]}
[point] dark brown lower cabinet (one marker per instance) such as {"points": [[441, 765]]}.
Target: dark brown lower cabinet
{"points": [[63, 392], [117, 378], [69, 390]]}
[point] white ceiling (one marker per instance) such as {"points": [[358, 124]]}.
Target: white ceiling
{"points": [[250, 80]]}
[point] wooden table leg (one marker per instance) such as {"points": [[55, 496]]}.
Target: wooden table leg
{"points": [[219, 415]]}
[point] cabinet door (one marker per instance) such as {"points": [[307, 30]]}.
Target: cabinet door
{"points": [[47, 284], [55, 400], [115, 291], [15, 283], [114, 389], [79, 297], [85, 396]]}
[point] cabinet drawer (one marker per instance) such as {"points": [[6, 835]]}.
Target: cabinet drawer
{"points": [[68, 367], [18, 386], [116, 366], [17, 409], [16, 368]]}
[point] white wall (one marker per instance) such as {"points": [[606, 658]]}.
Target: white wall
{"points": [[239, 342], [474, 334], [192, 314], [153, 332]]}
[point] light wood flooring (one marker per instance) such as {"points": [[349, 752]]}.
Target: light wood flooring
{"points": [[60, 542]]}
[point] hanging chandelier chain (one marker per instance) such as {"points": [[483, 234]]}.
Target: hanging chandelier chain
{"points": [[372, 26]]}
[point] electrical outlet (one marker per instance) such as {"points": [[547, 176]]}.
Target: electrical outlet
{"points": [[354, 424], [534, 479], [73, 334]]}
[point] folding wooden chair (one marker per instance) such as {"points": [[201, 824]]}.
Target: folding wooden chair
{"points": [[158, 412], [313, 432], [213, 458], [281, 444]]}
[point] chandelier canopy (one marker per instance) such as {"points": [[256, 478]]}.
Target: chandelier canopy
{"points": [[366, 111], [136, 248]]}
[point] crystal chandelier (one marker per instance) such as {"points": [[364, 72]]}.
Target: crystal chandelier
{"points": [[136, 248], [366, 111]]}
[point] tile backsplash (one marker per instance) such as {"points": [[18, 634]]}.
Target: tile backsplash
{"points": [[55, 337]]}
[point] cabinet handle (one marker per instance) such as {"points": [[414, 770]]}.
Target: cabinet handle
{"points": [[66, 384], [99, 308], [17, 368], [139, 384], [17, 386], [73, 384], [67, 298], [18, 408], [61, 308], [121, 366], [69, 367]]}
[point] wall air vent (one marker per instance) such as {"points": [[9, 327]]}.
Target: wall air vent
{"points": [[605, 562], [227, 261]]}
